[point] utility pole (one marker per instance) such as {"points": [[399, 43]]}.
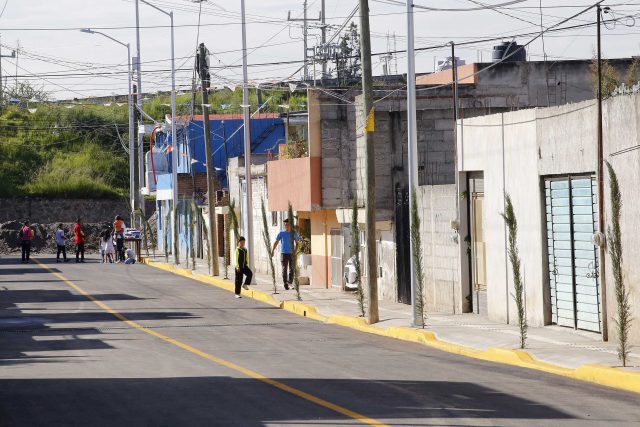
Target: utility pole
{"points": [[13, 55], [324, 38], [370, 182], [305, 34], [248, 215], [203, 70], [454, 75], [412, 144], [132, 153], [139, 153], [601, 225]]}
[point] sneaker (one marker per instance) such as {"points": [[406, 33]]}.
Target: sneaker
{"points": [[245, 287], [238, 296], [286, 286]]}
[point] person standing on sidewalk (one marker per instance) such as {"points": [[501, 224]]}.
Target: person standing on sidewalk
{"points": [[242, 267], [61, 240], [118, 233], [26, 235], [78, 234], [287, 247]]}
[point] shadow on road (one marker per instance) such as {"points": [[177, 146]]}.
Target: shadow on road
{"points": [[225, 401]]}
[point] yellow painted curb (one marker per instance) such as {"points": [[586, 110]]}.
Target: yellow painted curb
{"points": [[597, 374], [302, 309]]}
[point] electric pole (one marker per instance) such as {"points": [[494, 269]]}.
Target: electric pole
{"points": [[412, 150], [203, 70], [140, 135], [305, 34], [601, 225], [370, 182], [133, 166], [324, 39], [246, 119], [13, 55]]}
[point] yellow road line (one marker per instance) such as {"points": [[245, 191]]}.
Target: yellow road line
{"points": [[248, 372]]}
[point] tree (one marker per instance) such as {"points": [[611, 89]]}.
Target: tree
{"points": [[294, 253], [348, 66], [614, 237], [610, 78], [518, 286], [266, 237], [355, 255], [25, 92], [416, 243]]}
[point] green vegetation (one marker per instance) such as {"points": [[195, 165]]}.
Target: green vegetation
{"points": [[614, 237], [64, 150], [266, 238], [355, 254], [510, 220], [416, 241]]}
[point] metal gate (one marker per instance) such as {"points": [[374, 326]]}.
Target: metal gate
{"points": [[403, 256], [573, 265], [337, 252]]}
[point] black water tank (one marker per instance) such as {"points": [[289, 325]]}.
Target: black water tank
{"points": [[512, 50]]}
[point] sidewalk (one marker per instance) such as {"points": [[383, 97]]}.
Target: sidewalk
{"points": [[561, 350]]}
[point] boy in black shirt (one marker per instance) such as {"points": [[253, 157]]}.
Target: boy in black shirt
{"points": [[242, 267]]}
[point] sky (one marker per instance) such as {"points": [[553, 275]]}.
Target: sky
{"points": [[67, 63]]}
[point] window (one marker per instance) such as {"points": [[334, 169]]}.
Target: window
{"points": [[274, 219]]}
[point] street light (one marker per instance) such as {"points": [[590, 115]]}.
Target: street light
{"points": [[174, 152], [132, 194]]}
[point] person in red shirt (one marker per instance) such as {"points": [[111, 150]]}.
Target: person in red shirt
{"points": [[26, 235], [78, 235]]}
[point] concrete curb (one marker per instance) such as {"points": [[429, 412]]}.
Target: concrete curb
{"points": [[597, 374]]}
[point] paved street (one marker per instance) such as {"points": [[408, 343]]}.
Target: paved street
{"points": [[91, 344]]}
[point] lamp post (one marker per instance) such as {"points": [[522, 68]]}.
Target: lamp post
{"points": [[174, 151], [132, 192]]}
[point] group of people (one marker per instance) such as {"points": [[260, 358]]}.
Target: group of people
{"points": [[107, 238], [287, 248], [115, 253]]}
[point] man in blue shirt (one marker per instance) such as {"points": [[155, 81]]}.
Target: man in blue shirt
{"points": [[287, 248]]}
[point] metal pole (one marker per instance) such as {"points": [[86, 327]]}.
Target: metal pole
{"points": [[324, 40], [139, 148], [211, 170], [132, 177], [304, 34], [174, 142], [412, 143], [370, 182], [601, 225], [247, 141]]}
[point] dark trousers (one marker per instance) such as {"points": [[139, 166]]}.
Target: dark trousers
{"points": [[287, 266], [119, 249], [26, 250], [61, 250], [80, 252], [247, 273]]}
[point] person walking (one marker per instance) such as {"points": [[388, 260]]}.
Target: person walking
{"points": [[107, 246], [287, 247], [26, 236], [78, 234], [242, 267], [61, 241], [118, 233]]}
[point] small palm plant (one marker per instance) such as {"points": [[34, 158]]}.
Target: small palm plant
{"points": [[294, 253], [227, 244], [185, 224], [165, 235], [266, 237], [355, 255], [518, 286], [176, 243], [192, 212], [416, 242], [614, 237], [205, 231]]}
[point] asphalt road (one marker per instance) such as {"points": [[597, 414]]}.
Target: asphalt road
{"points": [[116, 345]]}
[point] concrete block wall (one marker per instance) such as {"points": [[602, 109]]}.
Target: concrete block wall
{"points": [[441, 258]]}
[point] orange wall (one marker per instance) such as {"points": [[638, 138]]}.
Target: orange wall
{"points": [[466, 75], [296, 181]]}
